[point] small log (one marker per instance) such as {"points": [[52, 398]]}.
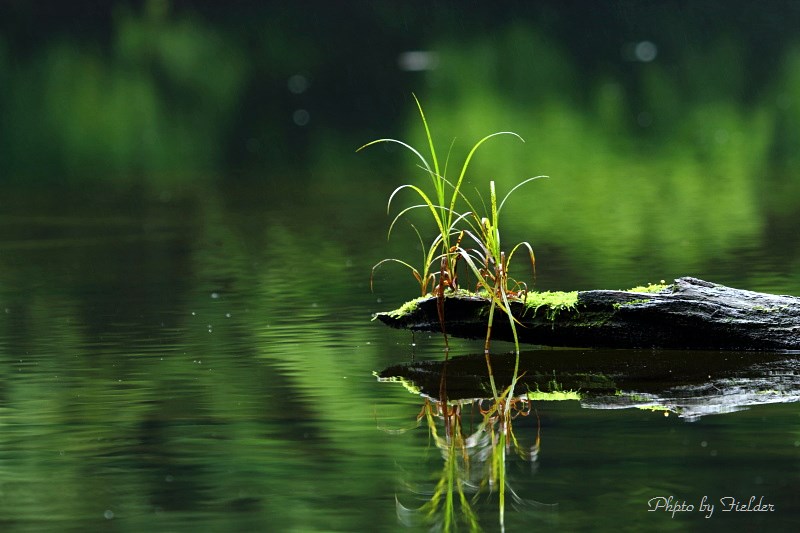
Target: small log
{"points": [[687, 314]]}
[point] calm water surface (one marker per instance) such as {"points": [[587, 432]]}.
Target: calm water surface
{"points": [[205, 362]]}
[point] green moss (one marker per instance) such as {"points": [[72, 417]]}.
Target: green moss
{"points": [[764, 309], [631, 302], [407, 308], [650, 288], [553, 302]]}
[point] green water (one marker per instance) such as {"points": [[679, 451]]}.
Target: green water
{"points": [[205, 360]]}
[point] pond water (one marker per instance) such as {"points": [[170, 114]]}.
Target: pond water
{"points": [[205, 359]]}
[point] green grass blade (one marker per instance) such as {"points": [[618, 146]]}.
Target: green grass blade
{"points": [[401, 143], [530, 254], [439, 188], [392, 260], [472, 153], [433, 208]]}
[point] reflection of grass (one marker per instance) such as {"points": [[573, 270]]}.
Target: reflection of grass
{"points": [[455, 473], [474, 463]]}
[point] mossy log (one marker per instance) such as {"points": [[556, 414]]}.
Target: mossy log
{"points": [[687, 314]]}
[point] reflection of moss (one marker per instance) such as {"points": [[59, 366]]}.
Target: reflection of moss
{"points": [[555, 392], [655, 408], [556, 396], [409, 385]]}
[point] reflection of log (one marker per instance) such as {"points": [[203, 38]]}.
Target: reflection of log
{"points": [[689, 383], [690, 313]]}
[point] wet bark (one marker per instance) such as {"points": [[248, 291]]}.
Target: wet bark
{"points": [[688, 314]]}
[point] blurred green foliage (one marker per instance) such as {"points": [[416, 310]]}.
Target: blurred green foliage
{"points": [[161, 91], [158, 98], [671, 164]]}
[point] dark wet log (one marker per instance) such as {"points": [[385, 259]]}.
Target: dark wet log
{"points": [[688, 314]]}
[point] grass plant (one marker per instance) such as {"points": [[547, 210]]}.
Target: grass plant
{"points": [[438, 269], [486, 259]]}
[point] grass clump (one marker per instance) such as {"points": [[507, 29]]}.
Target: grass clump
{"points": [[462, 233], [438, 270]]}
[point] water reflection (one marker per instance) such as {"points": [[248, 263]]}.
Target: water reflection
{"points": [[476, 439], [475, 432], [687, 384]]}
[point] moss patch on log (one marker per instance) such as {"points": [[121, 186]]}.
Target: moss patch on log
{"points": [[650, 287], [554, 302]]}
